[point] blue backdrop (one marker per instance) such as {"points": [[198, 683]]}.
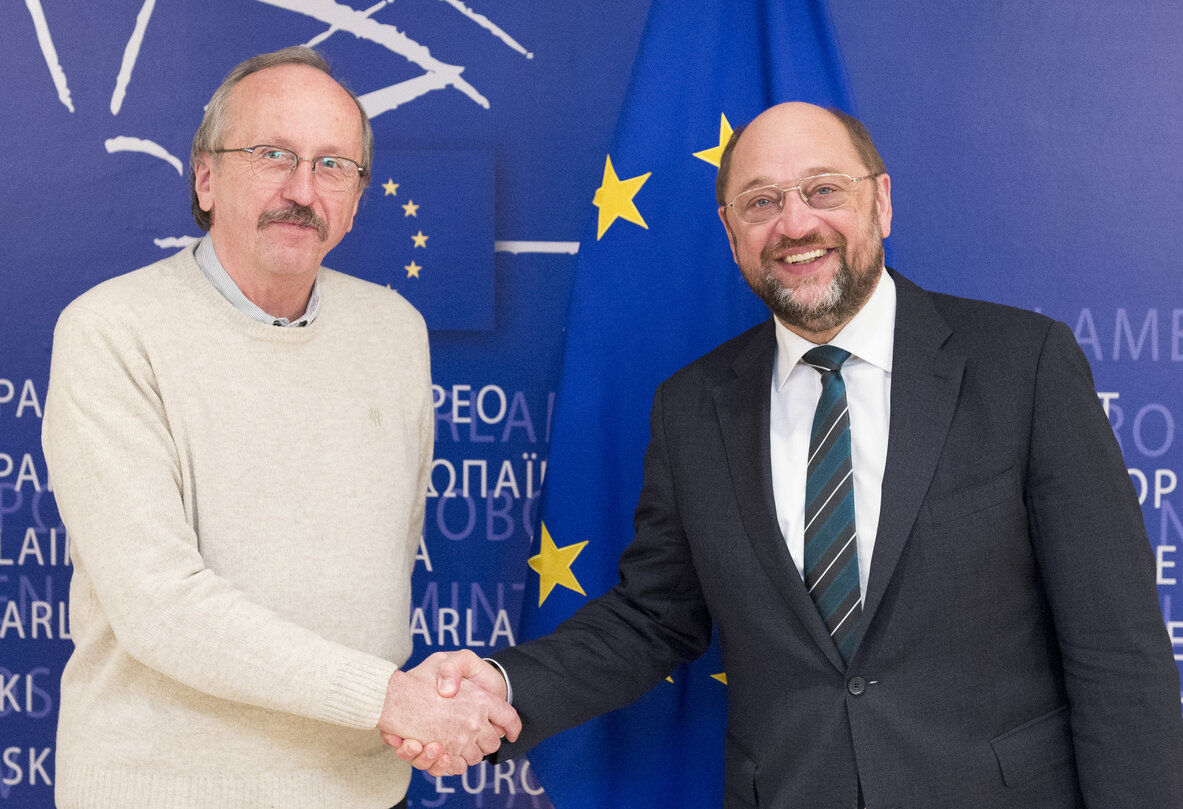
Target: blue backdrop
{"points": [[1010, 130]]}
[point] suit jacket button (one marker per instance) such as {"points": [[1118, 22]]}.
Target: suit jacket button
{"points": [[856, 686]]}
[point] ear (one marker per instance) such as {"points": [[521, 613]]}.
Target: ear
{"points": [[883, 197], [353, 213], [203, 183], [730, 232]]}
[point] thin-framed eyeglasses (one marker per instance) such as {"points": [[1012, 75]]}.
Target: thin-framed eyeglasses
{"points": [[822, 192], [273, 164]]}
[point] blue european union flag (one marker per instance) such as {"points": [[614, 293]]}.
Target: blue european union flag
{"points": [[655, 288], [425, 228]]}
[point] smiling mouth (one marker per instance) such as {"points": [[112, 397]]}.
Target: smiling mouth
{"points": [[805, 258]]}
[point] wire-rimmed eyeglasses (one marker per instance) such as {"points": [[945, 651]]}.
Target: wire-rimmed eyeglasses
{"points": [[273, 164], [822, 192]]}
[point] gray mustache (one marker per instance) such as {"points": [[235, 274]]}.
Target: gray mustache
{"points": [[298, 215]]}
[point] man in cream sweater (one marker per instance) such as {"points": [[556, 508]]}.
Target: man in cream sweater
{"points": [[239, 441]]}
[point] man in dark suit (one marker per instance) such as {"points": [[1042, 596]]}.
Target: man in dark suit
{"points": [[935, 593]]}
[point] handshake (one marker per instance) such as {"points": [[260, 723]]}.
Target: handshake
{"points": [[447, 713]]}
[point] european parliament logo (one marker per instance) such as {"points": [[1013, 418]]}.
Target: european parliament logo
{"points": [[424, 227]]}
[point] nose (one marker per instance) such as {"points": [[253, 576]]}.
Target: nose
{"points": [[301, 185], [796, 219]]}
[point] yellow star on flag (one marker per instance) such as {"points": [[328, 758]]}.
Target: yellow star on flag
{"points": [[715, 153], [411, 209], [721, 677], [614, 198], [412, 269], [391, 188], [420, 240], [553, 566]]}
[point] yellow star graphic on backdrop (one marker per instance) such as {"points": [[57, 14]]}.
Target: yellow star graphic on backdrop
{"points": [[420, 240], [412, 269], [391, 188], [614, 198], [553, 566], [411, 209], [715, 153]]}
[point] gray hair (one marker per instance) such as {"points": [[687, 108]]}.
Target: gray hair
{"points": [[214, 123]]}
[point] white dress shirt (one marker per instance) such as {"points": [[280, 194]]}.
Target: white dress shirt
{"points": [[796, 387]]}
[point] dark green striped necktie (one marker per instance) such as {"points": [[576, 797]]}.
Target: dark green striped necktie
{"points": [[831, 552]]}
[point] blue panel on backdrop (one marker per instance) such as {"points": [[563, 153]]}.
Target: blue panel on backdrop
{"points": [[425, 228]]}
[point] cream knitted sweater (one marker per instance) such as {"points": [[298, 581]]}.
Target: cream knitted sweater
{"points": [[244, 503]]}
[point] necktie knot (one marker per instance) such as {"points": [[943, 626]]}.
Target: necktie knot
{"points": [[826, 358]]}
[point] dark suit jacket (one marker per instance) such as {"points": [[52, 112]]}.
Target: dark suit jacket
{"points": [[1013, 654]]}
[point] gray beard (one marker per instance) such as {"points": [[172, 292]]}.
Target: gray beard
{"points": [[847, 293]]}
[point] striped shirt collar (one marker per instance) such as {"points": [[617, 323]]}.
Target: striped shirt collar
{"points": [[213, 270]]}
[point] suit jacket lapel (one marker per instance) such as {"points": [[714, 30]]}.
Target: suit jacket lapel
{"points": [[742, 404], [925, 385]]}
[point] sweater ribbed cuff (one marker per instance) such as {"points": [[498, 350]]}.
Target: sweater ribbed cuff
{"points": [[358, 691]]}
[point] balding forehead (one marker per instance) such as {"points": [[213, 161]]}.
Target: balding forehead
{"points": [[810, 139], [295, 86], [786, 121]]}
